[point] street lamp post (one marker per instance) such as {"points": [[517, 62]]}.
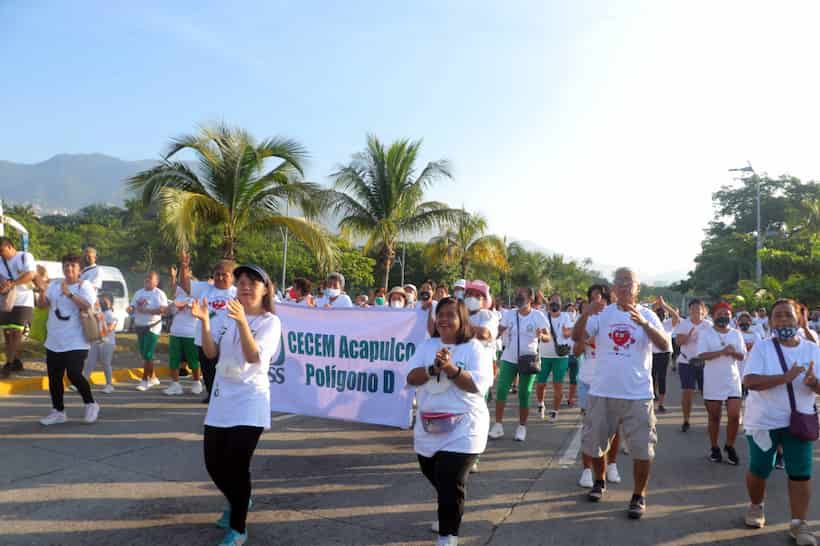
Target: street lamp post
{"points": [[759, 241], [285, 249]]}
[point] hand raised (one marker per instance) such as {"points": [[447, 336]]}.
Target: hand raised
{"points": [[236, 311], [635, 315], [793, 372], [199, 310]]}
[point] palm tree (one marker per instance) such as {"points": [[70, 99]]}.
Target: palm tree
{"points": [[233, 187], [466, 244], [379, 196]]}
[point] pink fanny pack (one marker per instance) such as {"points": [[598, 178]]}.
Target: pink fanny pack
{"points": [[440, 423]]}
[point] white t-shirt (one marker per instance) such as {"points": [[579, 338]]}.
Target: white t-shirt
{"points": [[218, 299], [624, 354], [184, 324], [93, 275], [669, 329], [241, 393], [770, 409], [20, 264], [763, 322], [526, 336], [151, 299], [110, 322], [470, 434], [342, 301], [721, 376], [489, 320], [558, 323], [589, 365], [690, 349], [66, 335]]}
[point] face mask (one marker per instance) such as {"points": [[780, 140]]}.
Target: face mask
{"points": [[397, 304], [333, 292], [411, 298], [786, 332], [661, 314], [424, 295], [555, 307], [723, 322], [459, 294], [744, 326], [520, 301], [380, 301], [473, 304]]}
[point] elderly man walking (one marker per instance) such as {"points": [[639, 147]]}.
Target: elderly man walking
{"points": [[621, 391]]}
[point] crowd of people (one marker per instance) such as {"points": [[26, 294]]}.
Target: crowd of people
{"points": [[615, 350]]}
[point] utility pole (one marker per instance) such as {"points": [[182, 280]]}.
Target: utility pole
{"points": [[285, 249], [759, 240]]}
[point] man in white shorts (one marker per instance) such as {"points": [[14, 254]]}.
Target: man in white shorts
{"points": [[621, 391]]}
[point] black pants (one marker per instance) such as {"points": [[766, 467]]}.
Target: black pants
{"points": [[66, 363], [228, 453], [660, 361], [448, 472], [208, 366]]}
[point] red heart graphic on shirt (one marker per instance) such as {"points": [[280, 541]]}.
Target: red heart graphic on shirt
{"points": [[218, 304], [621, 336]]}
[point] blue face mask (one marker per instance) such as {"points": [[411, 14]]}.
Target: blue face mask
{"points": [[723, 322], [786, 332]]}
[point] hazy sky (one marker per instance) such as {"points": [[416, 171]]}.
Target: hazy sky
{"points": [[594, 129]]}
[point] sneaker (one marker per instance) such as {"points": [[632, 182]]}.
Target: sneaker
{"points": [[520, 433], [474, 468], [183, 372], [661, 409], [174, 389], [234, 538], [637, 507], [108, 389], [624, 448], [92, 411], [196, 388], [731, 455], [685, 427], [224, 521], [778, 462], [542, 411], [434, 526], [586, 480], [72, 388], [449, 540], [715, 455], [597, 492], [801, 533], [513, 390], [153, 382], [143, 386], [497, 431], [612, 473], [553, 416], [54, 418], [754, 516]]}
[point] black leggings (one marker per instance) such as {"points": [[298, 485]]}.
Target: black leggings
{"points": [[66, 363], [448, 472], [660, 361], [228, 453], [208, 366]]}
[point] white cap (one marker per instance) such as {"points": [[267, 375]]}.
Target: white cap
{"points": [[461, 283]]}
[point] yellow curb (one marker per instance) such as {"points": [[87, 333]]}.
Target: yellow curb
{"points": [[34, 384]]}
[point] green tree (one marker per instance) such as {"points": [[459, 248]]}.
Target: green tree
{"points": [[234, 187], [466, 244], [380, 197]]}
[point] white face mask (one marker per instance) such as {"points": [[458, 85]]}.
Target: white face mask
{"points": [[473, 304], [459, 294], [333, 292], [397, 304]]}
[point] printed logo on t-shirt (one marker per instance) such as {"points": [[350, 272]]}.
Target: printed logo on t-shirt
{"points": [[621, 336]]}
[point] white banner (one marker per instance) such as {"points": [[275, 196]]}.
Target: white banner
{"points": [[346, 364]]}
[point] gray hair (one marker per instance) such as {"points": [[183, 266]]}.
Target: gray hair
{"points": [[339, 276], [624, 270]]}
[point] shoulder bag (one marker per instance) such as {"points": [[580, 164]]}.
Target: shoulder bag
{"points": [[10, 297], [560, 350], [527, 364], [803, 426]]}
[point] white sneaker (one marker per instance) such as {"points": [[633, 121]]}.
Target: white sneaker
{"points": [[143, 386], [612, 475], [72, 388], [154, 381], [497, 431], [520, 433], [542, 411], [553, 416], [474, 468], [434, 526], [175, 388], [449, 540], [586, 479], [196, 388], [92, 411], [108, 389], [54, 418], [625, 448]]}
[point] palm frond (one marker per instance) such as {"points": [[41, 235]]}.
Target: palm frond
{"points": [[314, 236]]}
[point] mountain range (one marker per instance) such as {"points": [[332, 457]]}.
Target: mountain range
{"points": [[68, 182]]}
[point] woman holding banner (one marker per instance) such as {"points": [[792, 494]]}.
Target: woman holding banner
{"points": [[452, 373], [242, 342]]}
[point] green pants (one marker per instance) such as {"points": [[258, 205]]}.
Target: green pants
{"points": [[506, 375], [146, 343], [179, 346], [797, 456], [555, 365]]}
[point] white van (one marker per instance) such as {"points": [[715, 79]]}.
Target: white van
{"points": [[113, 284]]}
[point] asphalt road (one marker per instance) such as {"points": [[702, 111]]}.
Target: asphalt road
{"points": [[137, 478]]}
